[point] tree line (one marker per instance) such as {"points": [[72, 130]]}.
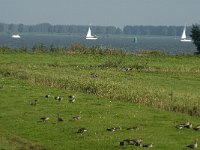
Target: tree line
{"points": [[102, 30]]}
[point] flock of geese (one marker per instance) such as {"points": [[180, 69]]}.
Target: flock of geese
{"points": [[135, 142], [188, 125]]}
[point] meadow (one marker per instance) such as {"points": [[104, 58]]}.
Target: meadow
{"points": [[149, 90]]}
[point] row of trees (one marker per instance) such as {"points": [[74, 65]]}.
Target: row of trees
{"points": [[103, 30]]}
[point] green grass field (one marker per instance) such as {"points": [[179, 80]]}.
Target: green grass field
{"points": [[151, 92]]}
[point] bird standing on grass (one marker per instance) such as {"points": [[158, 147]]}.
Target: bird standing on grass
{"points": [[77, 117], [44, 119], [197, 128], [193, 146], [47, 96], [147, 145], [93, 75], [136, 142], [71, 98], [34, 102], [58, 98], [184, 125], [114, 129], [82, 130]]}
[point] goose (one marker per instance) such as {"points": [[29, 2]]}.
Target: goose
{"points": [[147, 145], [71, 98], [197, 128], [193, 146], [93, 75], [128, 69], [44, 119], [189, 126], [117, 128], [77, 117], [136, 142], [47, 96], [184, 125], [110, 129], [60, 99], [56, 97], [81, 130], [34, 102], [114, 129]]}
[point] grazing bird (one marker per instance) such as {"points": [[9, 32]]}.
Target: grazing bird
{"points": [[34, 102], [189, 126], [59, 119], [47, 96], [110, 129], [44, 119], [114, 129], [132, 128], [77, 117], [71, 98], [82, 130], [93, 75], [197, 128], [58, 98], [147, 145], [193, 146], [184, 125], [136, 142], [117, 128]]}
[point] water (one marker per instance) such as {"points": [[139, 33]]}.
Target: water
{"points": [[166, 44]]}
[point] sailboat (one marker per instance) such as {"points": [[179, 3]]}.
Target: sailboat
{"points": [[183, 37], [16, 36], [89, 35], [135, 40]]}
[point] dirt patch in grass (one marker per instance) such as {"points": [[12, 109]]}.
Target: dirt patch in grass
{"points": [[22, 144]]}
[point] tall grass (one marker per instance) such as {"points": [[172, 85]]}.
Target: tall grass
{"points": [[149, 78]]}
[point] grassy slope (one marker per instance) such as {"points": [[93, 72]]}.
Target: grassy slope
{"points": [[152, 81], [20, 127], [155, 81]]}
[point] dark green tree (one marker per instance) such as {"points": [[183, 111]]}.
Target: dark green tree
{"points": [[196, 37], [20, 28]]}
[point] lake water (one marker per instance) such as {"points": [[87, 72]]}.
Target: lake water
{"points": [[167, 44]]}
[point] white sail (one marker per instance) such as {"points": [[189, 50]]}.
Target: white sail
{"points": [[184, 33], [184, 37], [89, 35]]}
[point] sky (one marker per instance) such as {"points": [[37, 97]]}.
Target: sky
{"points": [[101, 12]]}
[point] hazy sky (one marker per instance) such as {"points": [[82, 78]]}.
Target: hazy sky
{"points": [[101, 12]]}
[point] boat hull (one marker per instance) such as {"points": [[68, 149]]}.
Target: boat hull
{"points": [[91, 38], [16, 36], [184, 40]]}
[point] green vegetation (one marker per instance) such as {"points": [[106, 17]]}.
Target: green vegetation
{"points": [[196, 37], [112, 89]]}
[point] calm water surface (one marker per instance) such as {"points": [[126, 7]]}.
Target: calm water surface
{"points": [[167, 44]]}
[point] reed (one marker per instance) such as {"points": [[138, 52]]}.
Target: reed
{"points": [[161, 81]]}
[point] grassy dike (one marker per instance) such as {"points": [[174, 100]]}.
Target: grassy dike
{"points": [[119, 96]]}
